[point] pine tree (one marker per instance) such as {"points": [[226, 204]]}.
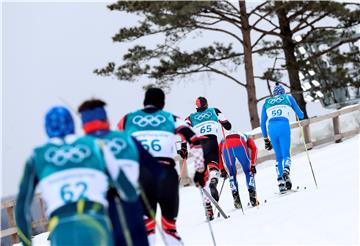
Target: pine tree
{"points": [[314, 21], [176, 20]]}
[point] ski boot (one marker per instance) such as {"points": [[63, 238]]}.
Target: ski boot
{"points": [[213, 190], [286, 177], [282, 186], [252, 195], [209, 211], [236, 197]]}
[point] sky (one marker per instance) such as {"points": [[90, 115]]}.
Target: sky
{"points": [[49, 51]]}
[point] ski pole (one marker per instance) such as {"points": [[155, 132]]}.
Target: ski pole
{"points": [[151, 213], [207, 217], [228, 153], [306, 150], [182, 169], [222, 186], [123, 223]]}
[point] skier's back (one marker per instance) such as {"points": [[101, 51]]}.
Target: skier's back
{"points": [[71, 175], [275, 121], [156, 129], [206, 123]]}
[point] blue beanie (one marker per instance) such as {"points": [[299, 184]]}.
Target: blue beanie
{"points": [[278, 89], [59, 122]]}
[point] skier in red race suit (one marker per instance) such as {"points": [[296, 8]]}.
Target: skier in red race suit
{"points": [[242, 148]]}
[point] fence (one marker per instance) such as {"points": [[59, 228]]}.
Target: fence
{"points": [[9, 234]]}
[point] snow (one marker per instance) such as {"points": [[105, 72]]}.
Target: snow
{"points": [[327, 215]]}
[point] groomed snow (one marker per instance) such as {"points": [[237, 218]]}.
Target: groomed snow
{"points": [[327, 215]]}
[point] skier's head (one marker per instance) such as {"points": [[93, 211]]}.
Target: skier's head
{"points": [[154, 97], [59, 122], [93, 115], [201, 104], [278, 89]]}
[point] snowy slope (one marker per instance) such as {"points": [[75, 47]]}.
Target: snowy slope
{"points": [[328, 215]]}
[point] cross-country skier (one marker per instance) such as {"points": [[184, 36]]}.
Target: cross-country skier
{"points": [[71, 175], [156, 129], [242, 148], [205, 122], [129, 153], [275, 121]]}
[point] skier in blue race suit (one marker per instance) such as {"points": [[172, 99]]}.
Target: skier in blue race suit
{"points": [[275, 124]]}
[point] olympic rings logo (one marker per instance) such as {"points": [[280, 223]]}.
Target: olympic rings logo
{"points": [[202, 116], [116, 145], [143, 121], [276, 100], [60, 156]]}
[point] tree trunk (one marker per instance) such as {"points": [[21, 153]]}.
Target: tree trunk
{"points": [[291, 62], [249, 70]]}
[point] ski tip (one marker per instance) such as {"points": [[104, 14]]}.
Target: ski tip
{"points": [[265, 201]]}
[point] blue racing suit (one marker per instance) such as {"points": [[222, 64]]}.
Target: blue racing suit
{"points": [[275, 122]]}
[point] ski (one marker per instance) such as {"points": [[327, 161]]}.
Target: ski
{"points": [[207, 194]]}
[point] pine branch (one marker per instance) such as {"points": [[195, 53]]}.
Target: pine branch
{"points": [[299, 27], [219, 30], [263, 17], [226, 75], [258, 8], [260, 38], [344, 41]]}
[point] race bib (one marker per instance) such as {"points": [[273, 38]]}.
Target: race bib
{"points": [[73, 184], [278, 111], [158, 143], [206, 128]]}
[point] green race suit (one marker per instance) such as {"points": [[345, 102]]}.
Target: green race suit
{"points": [[73, 182]]}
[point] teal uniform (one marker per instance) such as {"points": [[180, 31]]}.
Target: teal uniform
{"points": [[73, 182], [156, 131], [205, 122]]}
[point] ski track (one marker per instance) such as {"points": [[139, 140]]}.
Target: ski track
{"points": [[327, 215]]}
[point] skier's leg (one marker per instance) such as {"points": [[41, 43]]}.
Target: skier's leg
{"points": [[149, 187], [241, 155], [274, 133], [285, 144], [230, 164], [169, 204], [81, 229]]}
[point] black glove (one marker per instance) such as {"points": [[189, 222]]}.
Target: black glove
{"points": [[223, 173], [253, 169], [199, 179], [268, 145], [183, 153]]}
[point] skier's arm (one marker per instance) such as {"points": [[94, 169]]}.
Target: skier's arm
{"points": [[24, 200], [263, 122], [252, 146], [121, 124], [296, 108], [223, 121], [186, 133]]}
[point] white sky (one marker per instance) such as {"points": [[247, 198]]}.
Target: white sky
{"points": [[49, 51]]}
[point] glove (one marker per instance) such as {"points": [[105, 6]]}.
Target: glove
{"points": [[199, 179], [183, 153], [223, 173], [253, 169], [268, 145]]}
